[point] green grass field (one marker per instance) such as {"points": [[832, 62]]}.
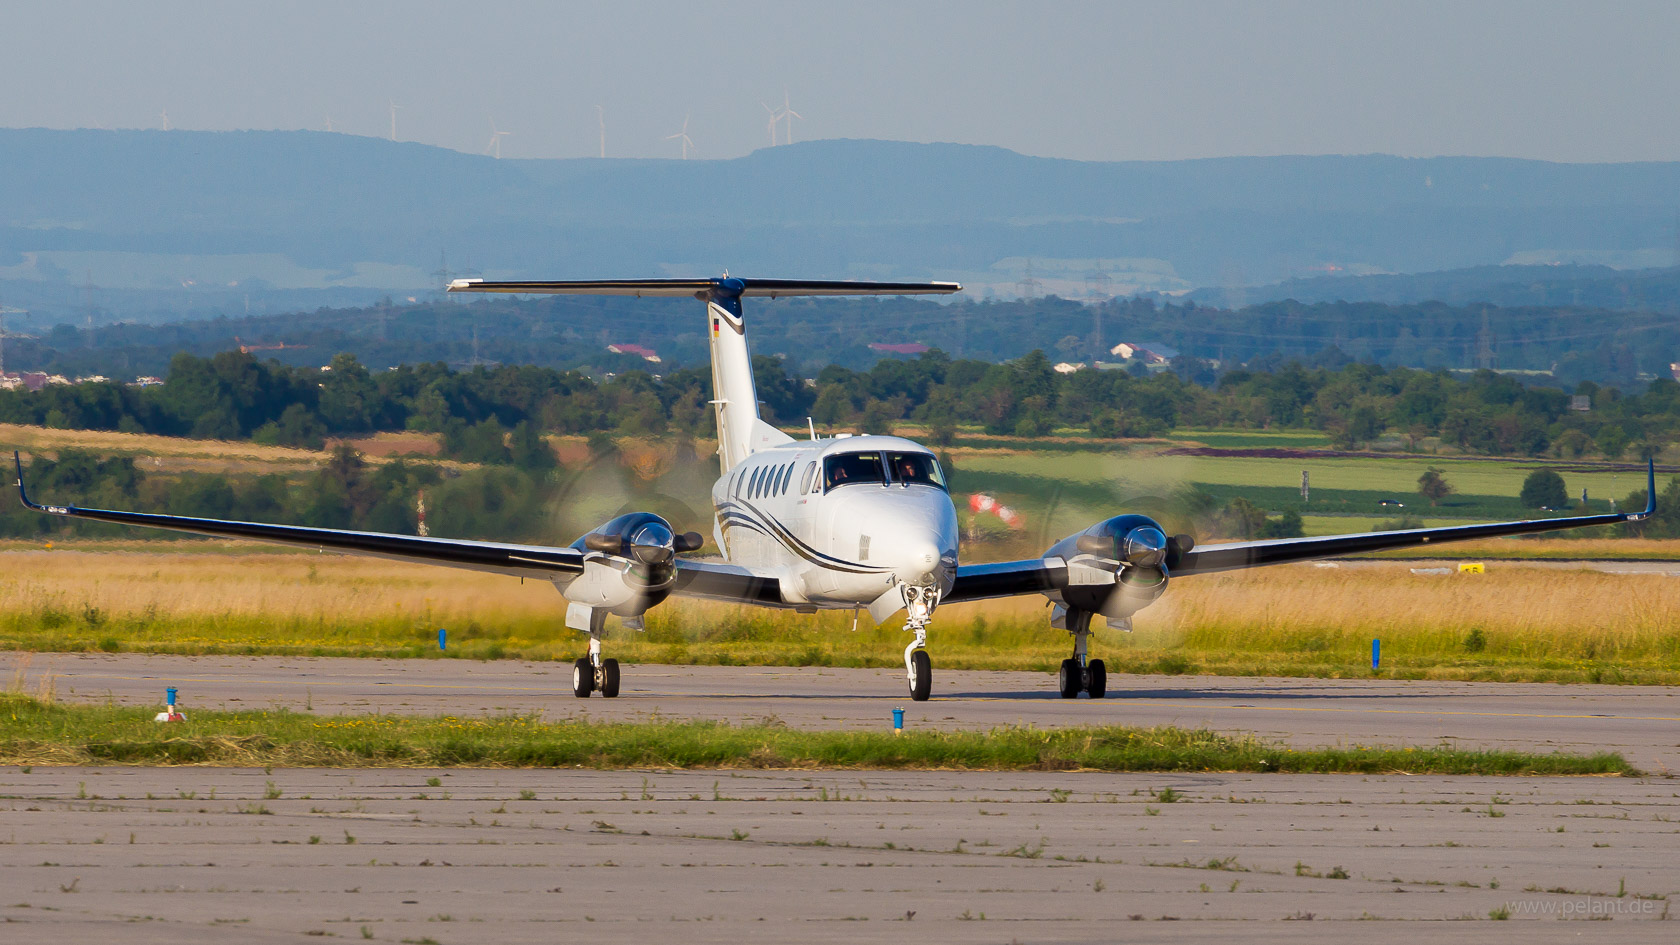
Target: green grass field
{"points": [[1061, 493], [44, 733]]}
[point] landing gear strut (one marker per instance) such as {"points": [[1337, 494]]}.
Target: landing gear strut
{"points": [[1081, 674], [592, 672], [919, 603]]}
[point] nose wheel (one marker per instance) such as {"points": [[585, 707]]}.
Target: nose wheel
{"points": [[921, 676]]}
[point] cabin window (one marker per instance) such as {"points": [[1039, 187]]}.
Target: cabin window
{"points": [[756, 489], [846, 469], [787, 474], [808, 480], [915, 469]]}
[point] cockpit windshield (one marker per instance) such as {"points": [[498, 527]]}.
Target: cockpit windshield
{"points": [[844, 469], [915, 469]]}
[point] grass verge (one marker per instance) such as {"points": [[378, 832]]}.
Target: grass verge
{"points": [[41, 732], [1510, 624]]}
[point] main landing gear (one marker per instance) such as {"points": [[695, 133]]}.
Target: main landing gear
{"points": [[1081, 674], [592, 672]]}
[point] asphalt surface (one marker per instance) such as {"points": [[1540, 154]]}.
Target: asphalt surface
{"points": [[190, 855], [1641, 722]]}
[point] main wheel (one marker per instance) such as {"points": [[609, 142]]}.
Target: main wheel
{"points": [[609, 678], [583, 678], [1099, 679], [921, 676], [1068, 679]]}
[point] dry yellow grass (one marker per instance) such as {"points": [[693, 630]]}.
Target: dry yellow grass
{"points": [[1511, 623], [29, 439]]}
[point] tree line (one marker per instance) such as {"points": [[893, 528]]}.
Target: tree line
{"points": [[499, 414], [1569, 342]]}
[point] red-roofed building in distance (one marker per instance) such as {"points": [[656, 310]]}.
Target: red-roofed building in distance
{"points": [[646, 354]]}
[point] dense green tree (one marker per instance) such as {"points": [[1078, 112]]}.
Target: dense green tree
{"points": [[1544, 489], [1432, 485]]}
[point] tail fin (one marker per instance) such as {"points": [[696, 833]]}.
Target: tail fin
{"points": [[740, 431]]}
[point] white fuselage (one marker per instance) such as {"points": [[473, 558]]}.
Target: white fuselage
{"points": [[838, 543]]}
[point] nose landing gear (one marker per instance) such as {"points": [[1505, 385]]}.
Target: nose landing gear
{"points": [[1080, 673], [919, 603]]}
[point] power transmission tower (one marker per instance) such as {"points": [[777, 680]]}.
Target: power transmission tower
{"points": [[1028, 286], [87, 307], [1484, 344]]}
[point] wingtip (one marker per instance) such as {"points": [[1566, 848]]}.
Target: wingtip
{"points": [[1650, 487], [23, 496]]}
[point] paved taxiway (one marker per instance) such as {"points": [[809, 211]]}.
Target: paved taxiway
{"points": [[1641, 722], [186, 855], [189, 855]]}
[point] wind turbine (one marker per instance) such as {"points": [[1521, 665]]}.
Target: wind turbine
{"points": [[394, 107], [495, 140], [774, 117], [787, 114], [683, 136], [165, 116], [601, 119]]}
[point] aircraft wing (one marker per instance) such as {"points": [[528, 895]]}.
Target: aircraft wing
{"points": [[533, 561], [1034, 575], [716, 580], [703, 579]]}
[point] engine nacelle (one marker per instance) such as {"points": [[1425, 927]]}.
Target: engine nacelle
{"points": [[1119, 565], [630, 564]]}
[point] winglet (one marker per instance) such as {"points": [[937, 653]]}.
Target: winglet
{"points": [[1650, 493], [22, 494]]}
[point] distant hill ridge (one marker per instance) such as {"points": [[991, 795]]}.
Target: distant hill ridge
{"points": [[846, 208]]}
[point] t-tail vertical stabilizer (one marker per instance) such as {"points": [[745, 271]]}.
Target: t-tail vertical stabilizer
{"points": [[740, 431]]}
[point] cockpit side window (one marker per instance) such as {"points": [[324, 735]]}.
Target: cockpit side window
{"points": [[845, 469], [916, 469]]}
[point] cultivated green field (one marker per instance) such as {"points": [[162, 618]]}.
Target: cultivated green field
{"points": [[1062, 492]]}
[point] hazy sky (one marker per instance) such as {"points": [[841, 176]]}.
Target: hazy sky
{"points": [[1101, 81]]}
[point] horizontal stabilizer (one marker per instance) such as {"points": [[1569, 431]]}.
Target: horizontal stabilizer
{"points": [[692, 288]]}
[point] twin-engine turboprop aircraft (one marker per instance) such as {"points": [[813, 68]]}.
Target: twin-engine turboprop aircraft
{"points": [[846, 522]]}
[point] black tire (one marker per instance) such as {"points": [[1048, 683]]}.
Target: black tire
{"points": [[1099, 679], [583, 678], [609, 678], [1068, 679], [921, 681]]}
